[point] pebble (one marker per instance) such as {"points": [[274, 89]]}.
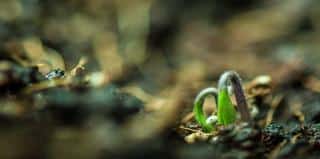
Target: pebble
{"points": [[55, 74]]}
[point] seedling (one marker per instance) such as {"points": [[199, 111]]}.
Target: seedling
{"points": [[198, 110], [228, 83]]}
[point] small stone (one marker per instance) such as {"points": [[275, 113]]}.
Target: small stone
{"points": [[273, 134], [254, 111], [263, 80], [243, 134], [213, 119], [214, 140], [201, 136], [190, 139], [55, 74]]}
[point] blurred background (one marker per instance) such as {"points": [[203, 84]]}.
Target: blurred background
{"points": [[157, 42], [151, 47]]}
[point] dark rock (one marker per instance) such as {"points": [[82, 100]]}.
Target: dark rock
{"points": [[14, 77], [273, 134], [71, 107]]}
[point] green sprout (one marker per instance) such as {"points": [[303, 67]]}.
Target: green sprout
{"points": [[229, 83], [198, 110]]}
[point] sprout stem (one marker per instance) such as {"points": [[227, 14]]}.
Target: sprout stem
{"points": [[231, 77], [198, 107]]}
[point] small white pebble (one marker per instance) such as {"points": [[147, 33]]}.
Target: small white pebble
{"points": [[263, 80], [242, 125], [214, 140], [254, 111], [212, 119]]}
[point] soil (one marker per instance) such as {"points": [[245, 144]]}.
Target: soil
{"points": [[117, 79]]}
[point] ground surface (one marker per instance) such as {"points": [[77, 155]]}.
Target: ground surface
{"points": [[117, 79]]}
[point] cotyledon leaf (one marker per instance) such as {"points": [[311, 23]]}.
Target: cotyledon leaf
{"points": [[226, 110]]}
